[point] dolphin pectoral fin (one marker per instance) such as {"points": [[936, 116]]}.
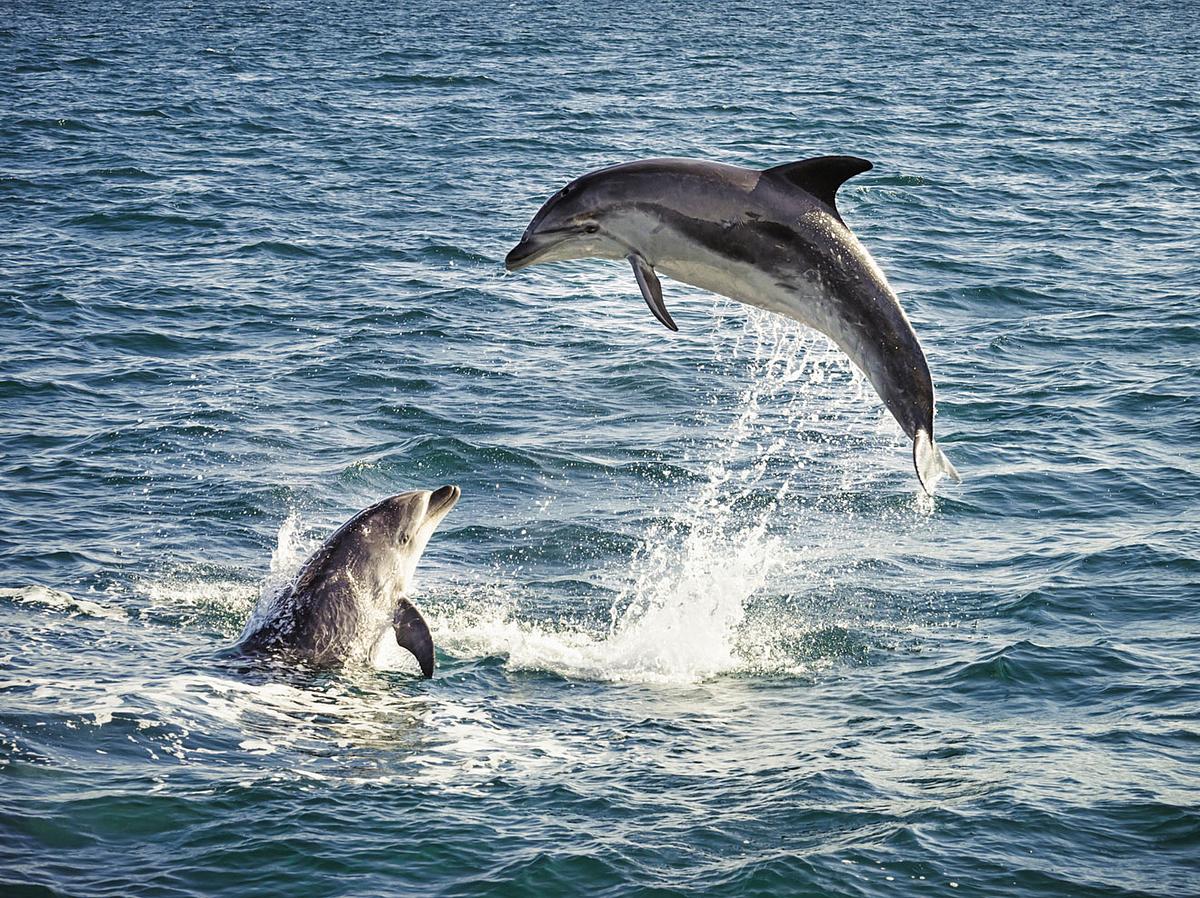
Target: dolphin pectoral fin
{"points": [[651, 290], [412, 633], [931, 463]]}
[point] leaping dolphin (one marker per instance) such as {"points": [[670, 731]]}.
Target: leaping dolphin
{"points": [[352, 589], [772, 239]]}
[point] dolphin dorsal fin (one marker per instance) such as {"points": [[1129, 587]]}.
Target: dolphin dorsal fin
{"points": [[821, 176]]}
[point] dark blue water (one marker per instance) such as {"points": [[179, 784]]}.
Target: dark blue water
{"points": [[698, 633]]}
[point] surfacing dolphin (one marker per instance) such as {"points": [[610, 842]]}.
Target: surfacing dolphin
{"points": [[352, 589], [772, 239]]}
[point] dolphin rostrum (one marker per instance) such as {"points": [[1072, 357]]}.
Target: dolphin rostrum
{"points": [[772, 239], [352, 589]]}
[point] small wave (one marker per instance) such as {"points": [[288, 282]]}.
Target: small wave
{"points": [[58, 124], [260, 127], [405, 56], [442, 457], [43, 597], [15, 388], [569, 543], [155, 344], [420, 80], [445, 252], [132, 221], [1074, 673], [15, 184], [127, 171], [276, 248]]}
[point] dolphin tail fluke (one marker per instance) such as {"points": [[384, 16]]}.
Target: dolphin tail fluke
{"points": [[931, 462], [412, 633]]}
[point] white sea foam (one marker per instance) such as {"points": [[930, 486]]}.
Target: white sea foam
{"points": [[196, 599], [37, 596]]}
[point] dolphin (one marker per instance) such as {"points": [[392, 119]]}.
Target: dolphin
{"points": [[352, 589], [772, 239]]}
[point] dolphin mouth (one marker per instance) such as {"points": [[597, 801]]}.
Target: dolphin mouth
{"points": [[528, 251], [520, 256], [442, 500]]}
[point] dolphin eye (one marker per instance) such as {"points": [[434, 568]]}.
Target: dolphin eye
{"points": [[591, 229]]}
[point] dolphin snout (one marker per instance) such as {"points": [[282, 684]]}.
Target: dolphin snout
{"points": [[443, 499], [520, 255]]}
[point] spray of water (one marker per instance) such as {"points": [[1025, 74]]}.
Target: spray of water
{"points": [[292, 546], [682, 616]]}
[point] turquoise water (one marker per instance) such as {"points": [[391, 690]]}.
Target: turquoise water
{"points": [[698, 633]]}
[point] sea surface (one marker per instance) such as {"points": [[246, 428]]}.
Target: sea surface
{"points": [[698, 631]]}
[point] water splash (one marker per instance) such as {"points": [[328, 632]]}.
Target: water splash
{"points": [[292, 547], [682, 617]]}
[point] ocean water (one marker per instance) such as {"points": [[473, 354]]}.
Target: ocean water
{"points": [[698, 632]]}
